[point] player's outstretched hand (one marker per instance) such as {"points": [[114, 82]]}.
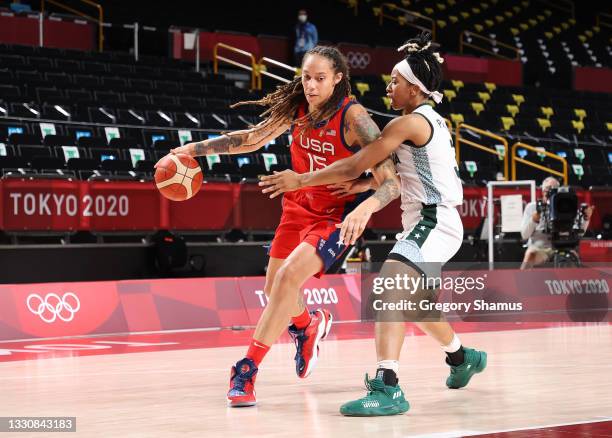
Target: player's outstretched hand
{"points": [[280, 182], [159, 161], [353, 224], [186, 149], [348, 188]]}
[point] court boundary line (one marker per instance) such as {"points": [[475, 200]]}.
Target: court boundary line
{"points": [[251, 327], [462, 433], [152, 332]]}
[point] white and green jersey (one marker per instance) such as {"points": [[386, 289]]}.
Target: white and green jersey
{"points": [[429, 173]]}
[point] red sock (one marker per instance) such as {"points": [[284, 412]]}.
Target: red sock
{"points": [[257, 351], [302, 320]]}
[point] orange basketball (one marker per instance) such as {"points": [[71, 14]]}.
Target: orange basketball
{"points": [[178, 177]]}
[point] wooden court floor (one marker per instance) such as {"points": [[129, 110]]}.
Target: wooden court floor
{"points": [[535, 378]]}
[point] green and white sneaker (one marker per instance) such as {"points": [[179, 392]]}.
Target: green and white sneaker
{"points": [[380, 400], [475, 361]]}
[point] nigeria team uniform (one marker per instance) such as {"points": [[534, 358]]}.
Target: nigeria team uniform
{"points": [[431, 190], [432, 232]]}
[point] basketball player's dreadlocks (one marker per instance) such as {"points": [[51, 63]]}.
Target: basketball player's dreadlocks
{"points": [[424, 62], [283, 103]]}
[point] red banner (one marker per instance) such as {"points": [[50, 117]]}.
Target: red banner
{"points": [[276, 47], [596, 250], [40, 205], [555, 295], [366, 60], [472, 210], [340, 294], [257, 211], [472, 69], [211, 209], [208, 40], [120, 206], [593, 79], [19, 30], [59, 205], [72, 309], [65, 34], [362, 59]]}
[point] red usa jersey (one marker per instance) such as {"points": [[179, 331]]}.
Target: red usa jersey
{"points": [[311, 214], [322, 145]]}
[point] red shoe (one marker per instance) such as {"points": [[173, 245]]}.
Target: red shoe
{"points": [[242, 384], [307, 341]]}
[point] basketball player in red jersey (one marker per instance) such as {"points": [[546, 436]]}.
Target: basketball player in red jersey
{"points": [[326, 126]]}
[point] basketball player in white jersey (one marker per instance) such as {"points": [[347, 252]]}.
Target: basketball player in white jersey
{"points": [[432, 228]]}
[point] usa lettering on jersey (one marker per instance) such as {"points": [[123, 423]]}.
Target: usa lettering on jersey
{"points": [[315, 145]]}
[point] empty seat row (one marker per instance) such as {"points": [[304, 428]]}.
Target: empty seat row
{"points": [[28, 85], [85, 162]]}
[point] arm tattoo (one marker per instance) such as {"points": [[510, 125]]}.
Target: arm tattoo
{"points": [[347, 126], [366, 130], [386, 193], [389, 189], [220, 145], [386, 166]]}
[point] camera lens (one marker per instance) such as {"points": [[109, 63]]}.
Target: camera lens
{"points": [[565, 206]]}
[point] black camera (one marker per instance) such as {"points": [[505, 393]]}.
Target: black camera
{"points": [[563, 218]]}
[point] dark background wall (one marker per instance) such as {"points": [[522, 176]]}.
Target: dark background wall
{"points": [[99, 262], [333, 19]]}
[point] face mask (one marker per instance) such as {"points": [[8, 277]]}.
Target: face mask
{"points": [[302, 18]]}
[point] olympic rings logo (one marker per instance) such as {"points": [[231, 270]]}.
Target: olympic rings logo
{"points": [[52, 306], [358, 59]]}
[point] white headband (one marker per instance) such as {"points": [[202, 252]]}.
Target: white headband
{"points": [[404, 69]]}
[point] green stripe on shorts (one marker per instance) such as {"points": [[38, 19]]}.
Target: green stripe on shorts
{"points": [[421, 231]]}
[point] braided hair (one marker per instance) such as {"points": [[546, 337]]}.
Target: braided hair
{"points": [[424, 62], [284, 102]]}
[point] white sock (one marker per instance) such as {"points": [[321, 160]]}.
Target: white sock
{"points": [[453, 346], [389, 365]]}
